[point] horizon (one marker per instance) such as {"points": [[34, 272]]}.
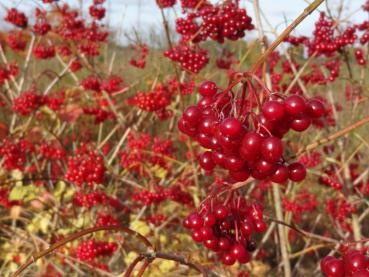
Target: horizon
{"points": [[123, 16]]}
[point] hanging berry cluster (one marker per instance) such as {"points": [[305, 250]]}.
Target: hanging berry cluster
{"points": [[226, 226], [247, 142], [354, 263]]}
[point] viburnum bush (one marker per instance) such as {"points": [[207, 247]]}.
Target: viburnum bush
{"points": [[212, 153]]}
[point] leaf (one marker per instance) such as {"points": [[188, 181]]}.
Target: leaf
{"points": [[140, 227], [25, 193], [59, 189]]}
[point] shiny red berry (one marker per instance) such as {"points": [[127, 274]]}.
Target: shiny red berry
{"points": [[273, 110], [208, 89]]}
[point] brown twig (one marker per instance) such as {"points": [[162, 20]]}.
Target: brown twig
{"points": [[334, 136], [77, 235], [285, 33]]}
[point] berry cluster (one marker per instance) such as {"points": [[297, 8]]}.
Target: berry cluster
{"points": [[43, 52], [165, 3], [96, 11], [16, 41], [190, 4], [154, 101], [226, 21], [235, 146], [191, 59], [325, 42], [95, 198], [226, 228], [89, 250], [16, 18], [139, 59], [14, 154], [353, 264], [359, 55], [85, 167]]}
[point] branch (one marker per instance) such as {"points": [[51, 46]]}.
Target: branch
{"points": [[313, 6], [77, 235]]}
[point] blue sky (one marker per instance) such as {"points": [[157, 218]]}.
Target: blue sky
{"points": [[143, 15]]}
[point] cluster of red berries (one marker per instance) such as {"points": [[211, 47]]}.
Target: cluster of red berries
{"points": [[165, 3], [85, 167], [96, 11], [16, 18], [89, 250], [340, 210], [354, 263], [41, 27], [226, 228], [16, 41], [27, 102], [174, 193], [139, 59], [190, 4], [156, 100], [100, 115], [325, 42], [14, 154], [359, 55], [191, 59], [312, 159], [226, 21], [226, 59], [96, 198], [106, 220], [217, 22], [234, 146], [43, 52], [301, 203]]}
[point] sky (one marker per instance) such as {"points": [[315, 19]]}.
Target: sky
{"points": [[124, 16]]}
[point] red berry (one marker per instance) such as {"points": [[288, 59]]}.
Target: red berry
{"points": [[315, 108], [294, 105], [239, 252], [221, 212], [210, 219], [197, 236], [250, 147], [240, 176], [211, 244], [297, 172], [361, 273], [335, 268], [271, 149], [206, 161], [246, 228], [280, 176], [231, 127], [196, 221], [273, 110], [228, 259], [208, 89], [224, 244], [260, 226], [192, 116], [233, 163], [300, 124]]}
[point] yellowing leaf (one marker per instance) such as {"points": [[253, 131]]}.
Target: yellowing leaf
{"points": [[166, 266], [140, 227]]}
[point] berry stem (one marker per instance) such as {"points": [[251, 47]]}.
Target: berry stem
{"points": [[313, 6], [281, 231], [333, 136]]}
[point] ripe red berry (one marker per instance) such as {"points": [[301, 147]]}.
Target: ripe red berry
{"points": [[273, 110], [206, 161], [208, 89], [221, 212], [228, 259], [240, 176], [294, 105], [301, 123], [192, 116], [196, 235], [210, 219], [238, 251], [280, 176], [335, 268], [231, 127], [250, 147], [196, 221], [224, 244], [271, 149], [297, 172], [361, 273], [234, 163], [246, 228], [315, 108]]}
